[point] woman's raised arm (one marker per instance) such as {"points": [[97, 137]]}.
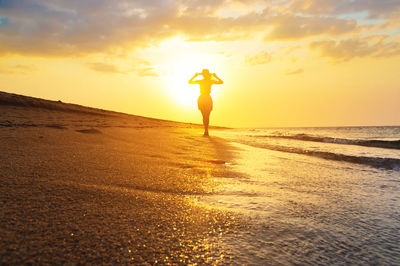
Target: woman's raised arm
{"points": [[219, 81], [191, 80]]}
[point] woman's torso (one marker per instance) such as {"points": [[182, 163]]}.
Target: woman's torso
{"points": [[205, 86]]}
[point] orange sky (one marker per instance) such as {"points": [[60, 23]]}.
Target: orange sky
{"points": [[284, 63]]}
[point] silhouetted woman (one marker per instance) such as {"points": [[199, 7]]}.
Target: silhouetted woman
{"points": [[204, 102]]}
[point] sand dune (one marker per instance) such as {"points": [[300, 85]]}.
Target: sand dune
{"points": [[83, 185]]}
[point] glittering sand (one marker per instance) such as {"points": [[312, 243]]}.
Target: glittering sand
{"points": [[81, 185]]}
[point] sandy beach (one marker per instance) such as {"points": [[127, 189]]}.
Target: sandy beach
{"points": [[82, 185]]}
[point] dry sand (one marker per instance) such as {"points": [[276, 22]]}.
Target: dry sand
{"points": [[82, 185]]}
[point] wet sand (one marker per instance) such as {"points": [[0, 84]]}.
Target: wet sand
{"points": [[82, 185]]}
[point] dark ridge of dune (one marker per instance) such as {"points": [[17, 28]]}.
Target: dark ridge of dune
{"points": [[12, 99], [27, 101]]}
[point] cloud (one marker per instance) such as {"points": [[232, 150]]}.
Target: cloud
{"points": [[146, 72], [343, 50], [63, 28], [274, 26], [374, 8], [258, 59], [141, 69], [17, 69], [295, 72], [296, 27], [313, 6], [75, 27], [103, 67], [3, 21]]}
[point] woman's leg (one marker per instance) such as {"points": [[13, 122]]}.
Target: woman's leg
{"points": [[206, 121]]}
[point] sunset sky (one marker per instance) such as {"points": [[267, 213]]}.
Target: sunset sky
{"points": [[284, 63]]}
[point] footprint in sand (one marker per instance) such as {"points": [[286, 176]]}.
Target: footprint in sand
{"points": [[89, 131]]}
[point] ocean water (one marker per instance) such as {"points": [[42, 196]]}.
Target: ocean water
{"points": [[314, 195]]}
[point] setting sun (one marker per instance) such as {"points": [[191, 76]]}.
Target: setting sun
{"points": [[176, 81]]}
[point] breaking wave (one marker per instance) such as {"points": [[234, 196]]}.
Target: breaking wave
{"points": [[387, 144], [378, 162]]}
